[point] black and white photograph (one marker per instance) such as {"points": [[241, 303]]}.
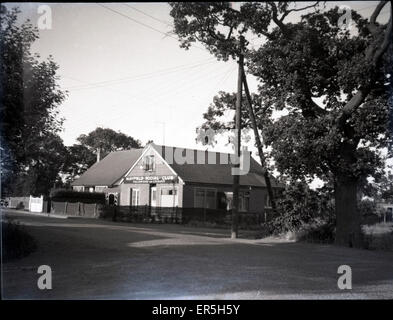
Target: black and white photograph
{"points": [[196, 151]]}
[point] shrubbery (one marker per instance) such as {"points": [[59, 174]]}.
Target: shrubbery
{"points": [[322, 232], [378, 236], [63, 195], [308, 215], [17, 243], [368, 211], [300, 206]]}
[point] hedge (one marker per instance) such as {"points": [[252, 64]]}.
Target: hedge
{"points": [[63, 195]]}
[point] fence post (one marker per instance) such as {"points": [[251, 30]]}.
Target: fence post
{"points": [[65, 207], [95, 210]]}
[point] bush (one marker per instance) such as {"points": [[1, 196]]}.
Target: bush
{"points": [[17, 243], [63, 195], [378, 236], [368, 212], [321, 233], [300, 206], [378, 242]]}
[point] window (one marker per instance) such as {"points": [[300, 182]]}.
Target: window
{"points": [[168, 192], [210, 199], [134, 197], [148, 163], [205, 198], [244, 201], [168, 197], [153, 196], [199, 199]]}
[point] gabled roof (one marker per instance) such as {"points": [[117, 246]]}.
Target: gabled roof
{"points": [[109, 169], [116, 164], [215, 173]]}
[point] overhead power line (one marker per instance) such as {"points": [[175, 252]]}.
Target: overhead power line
{"points": [[136, 21], [159, 95], [144, 76], [148, 15], [143, 24]]}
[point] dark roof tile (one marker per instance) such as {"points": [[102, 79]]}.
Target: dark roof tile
{"points": [[114, 166], [110, 169]]}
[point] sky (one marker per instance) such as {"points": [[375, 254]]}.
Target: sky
{"points": [[124, 71]]}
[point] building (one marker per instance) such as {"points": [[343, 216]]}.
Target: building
{"points": [[386, 209], [161, 176]]}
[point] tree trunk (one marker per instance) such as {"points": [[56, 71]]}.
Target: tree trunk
{"points": [[348, 232]]}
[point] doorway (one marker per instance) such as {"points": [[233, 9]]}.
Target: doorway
{"points": [[153, 195]]}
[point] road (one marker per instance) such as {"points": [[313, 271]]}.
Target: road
{"points": [[94, 259]]}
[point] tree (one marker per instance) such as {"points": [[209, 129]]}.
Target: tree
{"points": [[300, 205], [79, 159], [381, 189], [46, 163], [221, 29], [82, 155], [334, 139], [30, 97], [107, 140], [335, 85]]}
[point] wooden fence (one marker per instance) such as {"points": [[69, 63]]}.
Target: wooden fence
{"points": [[75, 209]]}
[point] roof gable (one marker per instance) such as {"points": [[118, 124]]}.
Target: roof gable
{"points": [[161, 166], [117, 165], [207, 172], [109, 169]]}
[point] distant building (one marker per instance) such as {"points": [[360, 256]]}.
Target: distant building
{"points": [[386, 208], [148, 177]]}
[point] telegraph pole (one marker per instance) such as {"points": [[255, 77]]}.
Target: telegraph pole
{"points": [[236, 177], [259, 143]]}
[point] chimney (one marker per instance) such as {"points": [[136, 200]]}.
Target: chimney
{"points": [[98, 154]]}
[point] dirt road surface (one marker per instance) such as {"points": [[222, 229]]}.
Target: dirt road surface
{"points": [[95, 259]]}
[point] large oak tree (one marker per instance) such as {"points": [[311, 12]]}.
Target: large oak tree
{"points": [[334, 82]]}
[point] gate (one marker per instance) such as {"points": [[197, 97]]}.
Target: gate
{"points": [[36, 204]]}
